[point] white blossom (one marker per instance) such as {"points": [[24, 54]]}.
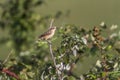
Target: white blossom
{"points": [[61, 67], [113, 35], [61, 56], [98, 63], [84, 40], [76, 36], [82, 77], [25, 53], [67, 67], [74, 49], [92, 38], [113, 27], [102, 24], [115, 65], [74, 52]]}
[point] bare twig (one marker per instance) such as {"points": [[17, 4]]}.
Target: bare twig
{"points": [[54, 61], [51, 52], [53, 58], [51, 23], [5, 61]]}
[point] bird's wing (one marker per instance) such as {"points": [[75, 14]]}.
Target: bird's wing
{"points": [[46, 33]]}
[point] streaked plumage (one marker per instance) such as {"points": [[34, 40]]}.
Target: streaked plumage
{"points": [[48, 34]]}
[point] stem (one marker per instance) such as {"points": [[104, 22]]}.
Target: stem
{"points": [[54, 61], [104, 63], [5, 61], [51, 52]]}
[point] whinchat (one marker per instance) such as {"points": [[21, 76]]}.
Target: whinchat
{"points": [[48, 34]]}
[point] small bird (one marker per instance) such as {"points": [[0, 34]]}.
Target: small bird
{"points": [[48, 34]]}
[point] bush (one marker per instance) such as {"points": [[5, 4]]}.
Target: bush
{"points": [[75, 43]]}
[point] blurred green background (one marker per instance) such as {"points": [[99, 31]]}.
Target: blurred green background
{"points": [[83, 13]]}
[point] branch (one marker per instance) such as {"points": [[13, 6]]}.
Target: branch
{"points": [[51, 23], [54, 61], [51, 52]]}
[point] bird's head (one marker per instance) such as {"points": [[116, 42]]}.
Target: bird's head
{"points": [[53, 28]]}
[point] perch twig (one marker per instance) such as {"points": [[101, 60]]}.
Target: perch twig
{"points": [[51, 52], [54, 61]]}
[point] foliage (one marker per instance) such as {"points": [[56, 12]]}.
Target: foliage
{"points": [[75, 43], [35, 62], [105, 69], [20, 19]]}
